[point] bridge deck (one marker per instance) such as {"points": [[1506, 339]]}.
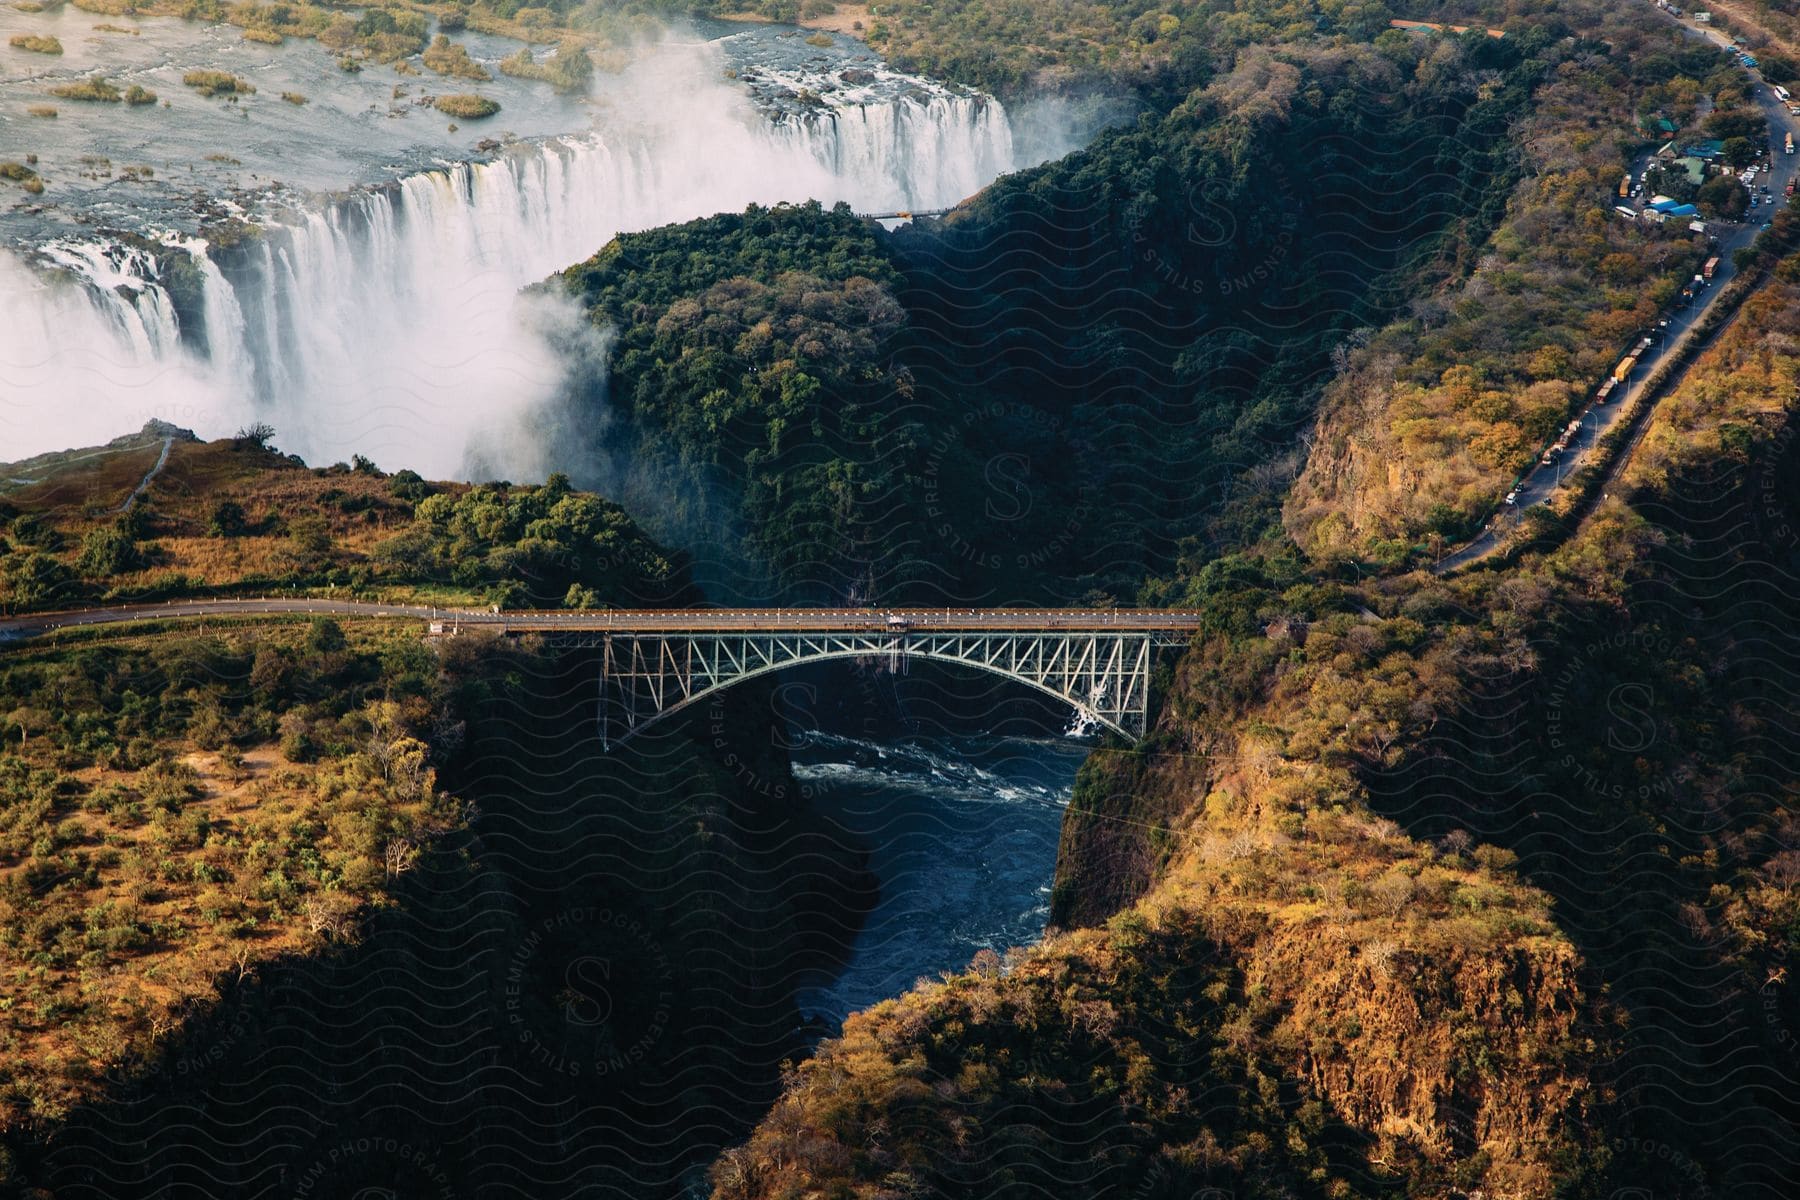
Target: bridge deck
{"points": [[849, 620], [646, 621]]}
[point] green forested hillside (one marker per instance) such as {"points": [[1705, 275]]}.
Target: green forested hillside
{"points": [[956, 409]]}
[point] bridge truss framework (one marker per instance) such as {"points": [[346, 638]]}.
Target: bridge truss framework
{"points": [[645, 676]]}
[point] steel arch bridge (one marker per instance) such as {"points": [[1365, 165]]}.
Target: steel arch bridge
{"points": [[653, 665]]}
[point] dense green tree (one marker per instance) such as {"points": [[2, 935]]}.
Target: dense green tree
{"points": [[227, 520], [538, 546], [34, 579], [868, 415], [1723, 196], [1737, 123], [109, 550]]}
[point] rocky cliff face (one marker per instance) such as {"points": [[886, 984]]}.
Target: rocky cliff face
{"points": [[1379, 1007], [1358, 482]]}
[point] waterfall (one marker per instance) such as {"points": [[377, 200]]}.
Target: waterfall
{"points": [[387, 321], [919, 154]]}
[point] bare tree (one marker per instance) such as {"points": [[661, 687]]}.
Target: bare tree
{"points": [[401, 855], [256, 434], [332, 915]]}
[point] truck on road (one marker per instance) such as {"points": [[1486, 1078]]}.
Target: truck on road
{"points": [[1790, 144], [1712, 264]]}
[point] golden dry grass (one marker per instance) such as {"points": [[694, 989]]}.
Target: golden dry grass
{"points": [[104, 480], [159, 984], [360, 511]]}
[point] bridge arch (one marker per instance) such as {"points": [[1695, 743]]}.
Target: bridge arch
{"points": [[1103, 674]]}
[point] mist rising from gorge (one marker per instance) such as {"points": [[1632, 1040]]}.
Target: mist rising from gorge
{"points": [[388, 321]]}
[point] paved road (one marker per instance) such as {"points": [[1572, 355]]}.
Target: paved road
{"points": [[1541, 482], [714, 620]]}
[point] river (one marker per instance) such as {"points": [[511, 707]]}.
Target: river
{"points": [[962, 834]]}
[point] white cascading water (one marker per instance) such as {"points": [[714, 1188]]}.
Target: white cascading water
{"points": [[388, 322]]}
